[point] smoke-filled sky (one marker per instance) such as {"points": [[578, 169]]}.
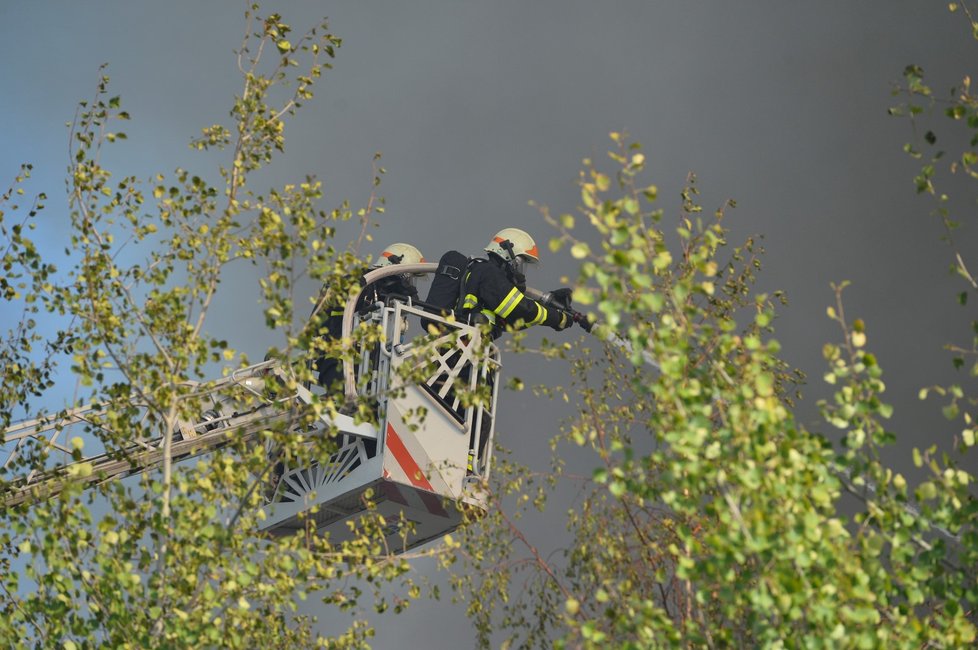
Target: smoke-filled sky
{"points": [[479, 107]]}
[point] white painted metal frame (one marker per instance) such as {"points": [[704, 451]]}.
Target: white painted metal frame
{"points": [[337, 490]]}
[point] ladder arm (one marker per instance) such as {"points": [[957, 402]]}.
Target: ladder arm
{"points": [[211, 431]]}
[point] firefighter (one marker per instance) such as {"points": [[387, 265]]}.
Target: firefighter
{"points": [[329, 370], [329, 317], [494, 288]]}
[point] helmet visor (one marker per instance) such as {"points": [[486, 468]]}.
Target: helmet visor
{"points": [[521, 262]]}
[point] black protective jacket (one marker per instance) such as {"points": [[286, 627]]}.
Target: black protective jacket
{"points": [[492, 288]]}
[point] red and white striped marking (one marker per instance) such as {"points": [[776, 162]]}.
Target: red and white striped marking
{"points": [[413, 498], [406, 469], [404, 458], [407, 461]]}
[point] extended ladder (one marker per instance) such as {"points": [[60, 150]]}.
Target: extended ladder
{"points": [[426, 459]]}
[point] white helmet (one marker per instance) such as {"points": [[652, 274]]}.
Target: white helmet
{"points": [[399, 254], [514, 246]]}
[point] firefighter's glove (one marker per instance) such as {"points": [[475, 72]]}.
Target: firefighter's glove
{"points": [[559, 298], [566, 320]]}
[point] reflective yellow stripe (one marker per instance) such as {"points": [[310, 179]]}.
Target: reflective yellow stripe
{"points": [[541, 315], [470, 301], [509, 303], [491, 317], [336, 312]]}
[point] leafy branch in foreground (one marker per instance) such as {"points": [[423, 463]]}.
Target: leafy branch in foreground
{"points": [[175, 558], [712, 518]]}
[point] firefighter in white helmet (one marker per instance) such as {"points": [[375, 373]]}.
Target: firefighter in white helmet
{"points": [[494, 287], [401, 285], [399, 253], [329, 370]]}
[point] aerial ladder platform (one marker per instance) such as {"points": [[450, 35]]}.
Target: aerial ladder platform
{"points": [[425, 461]]}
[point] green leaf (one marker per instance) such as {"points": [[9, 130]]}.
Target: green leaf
{"points": [[926, 491], [950, 411], [765, 384]]}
